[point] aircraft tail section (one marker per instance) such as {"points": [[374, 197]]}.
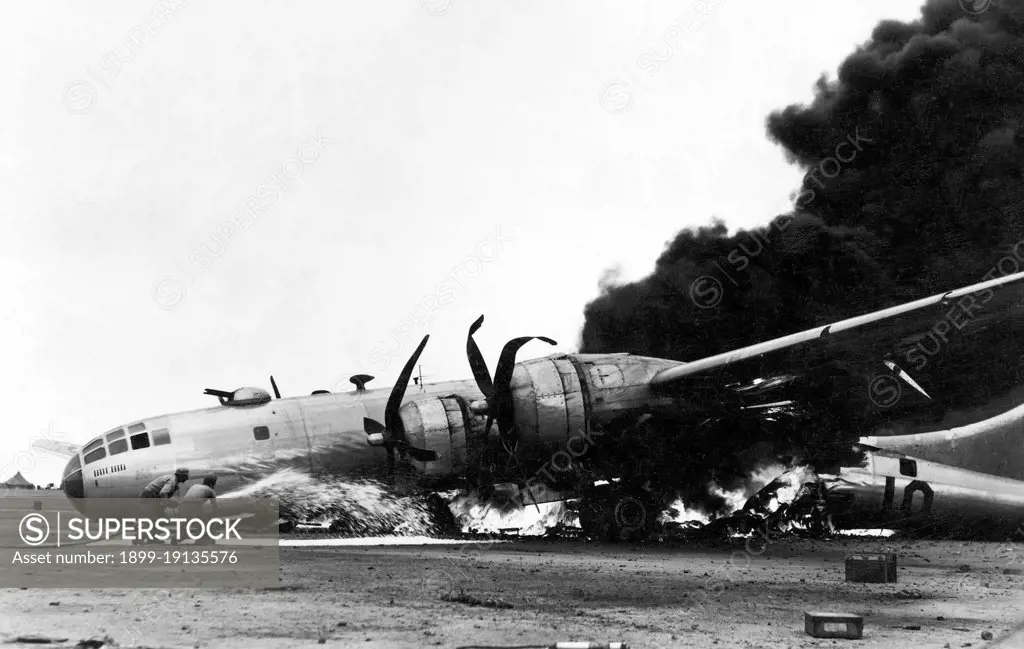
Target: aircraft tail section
{"points": [[992, 446]]}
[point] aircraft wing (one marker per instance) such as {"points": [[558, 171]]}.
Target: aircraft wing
{"points": [[966, 333], [60, 449]]}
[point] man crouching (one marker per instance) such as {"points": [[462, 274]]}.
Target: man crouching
{"points": [[157, 495], [200, 501]]}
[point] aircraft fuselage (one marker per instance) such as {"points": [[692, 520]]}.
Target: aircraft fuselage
{"points": [[556, 398]]}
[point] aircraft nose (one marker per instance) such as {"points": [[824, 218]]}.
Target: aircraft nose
{"points": [[72, 482]]}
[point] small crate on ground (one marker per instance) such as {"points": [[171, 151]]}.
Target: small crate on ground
{"points": [[833, 625], [878, 568]]}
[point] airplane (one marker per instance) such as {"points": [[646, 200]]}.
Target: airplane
{"points": [[502, 432]]}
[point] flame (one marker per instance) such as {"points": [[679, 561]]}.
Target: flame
{"points": [[796, 477], [793, 476], [678, 512], [760, 477], [476, 515]]}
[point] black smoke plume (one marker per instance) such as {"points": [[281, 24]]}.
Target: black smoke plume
{"points": [[915, 185]]}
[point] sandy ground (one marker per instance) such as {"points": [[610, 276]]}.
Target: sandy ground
{"points": [[646, 595]]}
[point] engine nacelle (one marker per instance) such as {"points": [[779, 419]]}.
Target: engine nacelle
{"points": [[556, 396], [446, 426]]}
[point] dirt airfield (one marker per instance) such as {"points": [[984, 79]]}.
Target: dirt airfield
{"points": [[537, 592]]}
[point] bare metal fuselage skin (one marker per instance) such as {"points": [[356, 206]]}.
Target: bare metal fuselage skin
{"points": [[992, 446], [556, 398], [896, 491]]}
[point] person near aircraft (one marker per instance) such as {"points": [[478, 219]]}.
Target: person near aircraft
{"points": [[159, 490], [164, 487], [198, 494], [200, 501]]}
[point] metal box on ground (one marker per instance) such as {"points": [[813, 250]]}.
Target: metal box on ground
{"points": [[879, 568], [833, 625]]}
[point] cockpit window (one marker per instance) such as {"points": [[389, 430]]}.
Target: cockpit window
{"points": [[115, 434], [260, 433], [140, 441], [134, 428], [94, 444], [161, 437], [74, 465], [120, 446], [98, 454]]}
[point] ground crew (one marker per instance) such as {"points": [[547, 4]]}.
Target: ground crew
{"points": [[163, 488], [200, 501]]}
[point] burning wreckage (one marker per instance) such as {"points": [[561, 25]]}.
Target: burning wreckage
{"points": [[886, 490], [795, 502]]}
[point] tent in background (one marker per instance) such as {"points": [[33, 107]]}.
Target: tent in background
{"points": [[17, 481]]}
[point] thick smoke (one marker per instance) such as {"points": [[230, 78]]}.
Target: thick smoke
{"points": [[914, 158]]}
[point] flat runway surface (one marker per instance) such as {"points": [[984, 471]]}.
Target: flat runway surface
{"points": [[648, 595]]}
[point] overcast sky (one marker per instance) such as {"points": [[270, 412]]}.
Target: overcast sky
{"points": [[406, 167]]}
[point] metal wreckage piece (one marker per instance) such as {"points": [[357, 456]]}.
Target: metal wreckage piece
{"points": [[806, 514]]}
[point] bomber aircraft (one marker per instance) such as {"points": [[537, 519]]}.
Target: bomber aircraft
{"points": [[602, 427]]}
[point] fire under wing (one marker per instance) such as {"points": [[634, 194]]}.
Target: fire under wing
{"points": [[861, 371], [960, 479]]}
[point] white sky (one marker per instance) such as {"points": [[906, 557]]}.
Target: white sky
{"points": [[447, 120]]}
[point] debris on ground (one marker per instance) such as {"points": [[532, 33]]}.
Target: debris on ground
{"points": [[463, 597]]}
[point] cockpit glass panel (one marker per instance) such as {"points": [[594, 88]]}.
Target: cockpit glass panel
{"points": [[115, 434], [140, 441], [74, 465], [93, 445], [134, 428], [161, 437], [120, 446], [98, 454]]}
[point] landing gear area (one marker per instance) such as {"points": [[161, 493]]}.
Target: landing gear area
{"points": [[613, 513]]}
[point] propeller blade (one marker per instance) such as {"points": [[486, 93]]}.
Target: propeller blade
{"points": [[503, 405], [391, 419], [477, 363], [392, 431], [507, 360], [273, 384], [419, 454]]}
